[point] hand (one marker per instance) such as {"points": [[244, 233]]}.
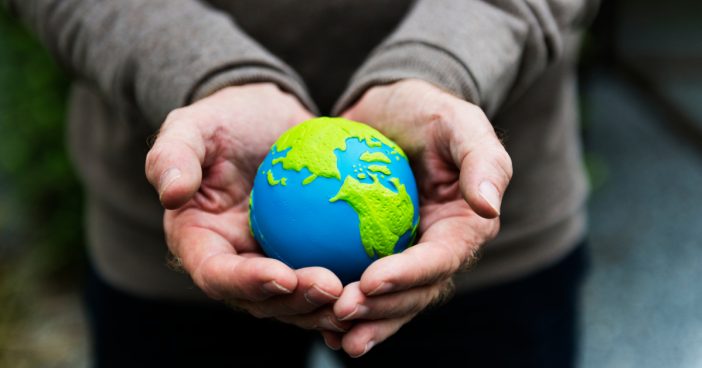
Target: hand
{"points": [[203, 165], [462, 171]]}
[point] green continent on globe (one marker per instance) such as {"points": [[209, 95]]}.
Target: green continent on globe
{"points": [[375, 157], [379, 168], [328, 135], [251, 203], [384, 215], [273, 181]]}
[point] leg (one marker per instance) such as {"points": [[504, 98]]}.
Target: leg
{"points": [[128, 331]]}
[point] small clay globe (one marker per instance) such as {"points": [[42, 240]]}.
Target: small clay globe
{"points": [[334, 193]]}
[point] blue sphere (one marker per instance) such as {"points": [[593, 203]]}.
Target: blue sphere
{"points": [[305, 212]]}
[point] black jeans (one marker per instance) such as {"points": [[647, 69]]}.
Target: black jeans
{"points": [[531, 322]]}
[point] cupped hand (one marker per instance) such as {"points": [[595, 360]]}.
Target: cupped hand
{"points": [[462, 171], [203, 164]]}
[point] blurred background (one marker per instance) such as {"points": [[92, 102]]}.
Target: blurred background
{"points": [[642, 126], [41, 243]]}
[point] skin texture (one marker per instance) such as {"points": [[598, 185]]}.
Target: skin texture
{"points": [[462, 171], [206, 156], [202, 164]]}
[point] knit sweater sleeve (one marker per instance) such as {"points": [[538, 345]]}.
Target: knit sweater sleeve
{"points": [[153, 55], [483, 51]]}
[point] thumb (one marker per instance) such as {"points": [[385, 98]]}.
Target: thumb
{"points": [[174, 163], [485, 166]]}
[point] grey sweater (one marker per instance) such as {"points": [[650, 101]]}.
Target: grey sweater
{"points": [[136, 60]]}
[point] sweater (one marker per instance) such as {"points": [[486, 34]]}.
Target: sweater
{"points": [[134, 61]]}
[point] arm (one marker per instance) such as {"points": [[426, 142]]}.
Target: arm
{"points": [[153, 56], [481, 51], [183, 64], [426, 87]]}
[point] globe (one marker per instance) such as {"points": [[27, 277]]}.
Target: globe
{"points": [[334, 193]]}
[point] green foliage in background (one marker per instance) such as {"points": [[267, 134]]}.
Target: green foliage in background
{"points": [[41, 237], [40, 200]]}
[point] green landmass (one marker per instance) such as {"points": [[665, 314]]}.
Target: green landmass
{"points": [[383, 215], [311, 145], [251, 203], [375, 157], [272, 181], [379, 168]]}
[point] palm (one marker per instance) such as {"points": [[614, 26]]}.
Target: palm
{"points": [[461, 169], [203, 165], [444, 212], [219, 207]]}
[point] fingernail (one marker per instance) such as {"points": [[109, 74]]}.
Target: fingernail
{"points": [[316, 296], [167, 178], [359, 311], [275, 288], [383, 288], [489, 192], [350, 315], [329, 323], [368, 347], [329, 345]]}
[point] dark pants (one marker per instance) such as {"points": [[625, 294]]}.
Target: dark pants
{"points": [[528, 323]]}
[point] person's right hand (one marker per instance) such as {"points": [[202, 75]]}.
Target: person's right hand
{"points": [[203, 164]]}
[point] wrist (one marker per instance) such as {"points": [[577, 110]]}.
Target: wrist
{"points": [[242, 76]]}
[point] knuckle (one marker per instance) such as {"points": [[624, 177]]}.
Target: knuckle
{"points": [[175, 115], [474, 111], [152, 158], [504, 160], [202, 279], [494, 229]]}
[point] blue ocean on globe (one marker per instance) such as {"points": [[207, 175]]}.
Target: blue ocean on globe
{"points": [[299, 225]]}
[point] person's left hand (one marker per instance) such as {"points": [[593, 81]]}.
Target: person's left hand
{"points": [[462, 171]]}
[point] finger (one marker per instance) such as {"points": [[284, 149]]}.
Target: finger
{"points": [[354, 305], [319, 286], [446, 247], [174, 163], [332, 339], [347, 306], [316, 287], [322, 320], [485, 167], [222, 274], [365, 335]]}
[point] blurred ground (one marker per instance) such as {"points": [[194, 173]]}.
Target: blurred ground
{"points": [[642, 300]]}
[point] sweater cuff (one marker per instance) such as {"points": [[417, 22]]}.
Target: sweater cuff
{"points": [[411, 60], [236, 75], [474, 49]]}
